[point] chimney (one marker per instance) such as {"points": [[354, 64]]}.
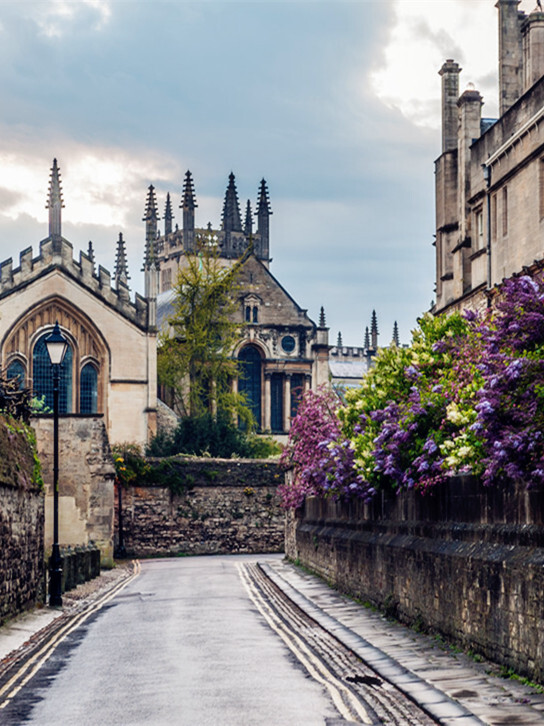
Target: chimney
{"points": [[533, 49], [510, 53], [450, 94]]}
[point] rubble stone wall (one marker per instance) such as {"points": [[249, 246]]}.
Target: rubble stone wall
{"points": [[223, 506], [21, 526], [466, 562]]}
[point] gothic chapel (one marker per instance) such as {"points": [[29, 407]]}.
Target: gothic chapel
{"points": [[282, 352], [110, 365]]}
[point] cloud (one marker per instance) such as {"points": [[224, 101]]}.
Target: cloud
{"points": [[423, 35], [56, 18]]}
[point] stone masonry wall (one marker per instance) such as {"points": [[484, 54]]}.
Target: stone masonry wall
{"points": [[466, 562], [227, 506], [86, 475], [21, 526]]}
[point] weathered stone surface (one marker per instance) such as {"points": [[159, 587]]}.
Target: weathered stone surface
{"points": [[467, 562], [21, 526], [228, 506], [86, 474]]}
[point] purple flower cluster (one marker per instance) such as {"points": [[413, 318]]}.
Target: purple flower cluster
{"points": [[320, 460], [468, 396]]}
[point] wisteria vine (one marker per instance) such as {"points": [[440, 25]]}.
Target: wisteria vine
{"points": [[466, 397]]}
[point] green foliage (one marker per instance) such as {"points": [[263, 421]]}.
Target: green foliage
{"points": [[130, 464], [215, 436], [195, 355]]}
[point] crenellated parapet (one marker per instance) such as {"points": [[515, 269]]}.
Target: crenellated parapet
{"points": [[57, 254]]}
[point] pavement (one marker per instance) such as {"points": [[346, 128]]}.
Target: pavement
{"points": [[453, 687]]}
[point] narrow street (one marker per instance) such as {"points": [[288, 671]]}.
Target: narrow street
{"points": [[245, 641], [204, 640]]}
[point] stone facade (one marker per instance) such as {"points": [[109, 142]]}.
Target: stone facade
{"points": [[86, 482], [282, 351], [490, 175], [227, 506], [110, 366], [22, 573], [466, 562]]}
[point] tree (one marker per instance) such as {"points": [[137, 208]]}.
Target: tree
{"points": [[195, 355]]}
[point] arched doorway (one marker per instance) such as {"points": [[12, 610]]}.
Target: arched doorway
{"points": [[250, 382]]}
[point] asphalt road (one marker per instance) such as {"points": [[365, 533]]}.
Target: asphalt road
{"points": [[183, 644]]}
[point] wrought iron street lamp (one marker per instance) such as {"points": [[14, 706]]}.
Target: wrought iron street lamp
{"points": [[56, 345]]}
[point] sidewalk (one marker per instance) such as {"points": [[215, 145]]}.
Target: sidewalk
{"points": [[420, 665]]}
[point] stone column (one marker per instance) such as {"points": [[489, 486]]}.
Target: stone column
{"points": [[267, 402], [287, 402]]}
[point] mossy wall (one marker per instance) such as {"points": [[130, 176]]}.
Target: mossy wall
{"points": [[21, 523]]}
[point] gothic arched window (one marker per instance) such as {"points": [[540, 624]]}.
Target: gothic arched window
{"points": [[16, 370], [42, 375], [250, 379], [88, 389]]}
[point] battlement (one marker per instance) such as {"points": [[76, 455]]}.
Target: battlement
{"points": [[57, 253]]}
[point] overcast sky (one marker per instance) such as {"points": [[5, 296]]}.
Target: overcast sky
{"points": [[335, 103]]}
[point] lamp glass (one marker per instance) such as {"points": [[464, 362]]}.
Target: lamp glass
{"points": [[56, 345]]}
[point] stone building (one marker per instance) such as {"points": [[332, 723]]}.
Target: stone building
{"points": [[281, 350], [108, 376], [110, 364], [490, 174]]}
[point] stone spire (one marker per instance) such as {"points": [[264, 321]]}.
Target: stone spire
{"points": [[322, 321], [150, 218], [339, 343], [367, 339], [248, 227], [168, 216], [188, 204], [374, 330], [121, 266], [263, 219], [151, 266], [90, 255], [54, 202], [395, 339], [231, 209]]}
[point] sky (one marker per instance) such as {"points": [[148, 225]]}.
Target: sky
{"points": [[336, 103]]}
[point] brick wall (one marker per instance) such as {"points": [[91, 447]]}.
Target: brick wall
{"points": [[228, 506], [21, 526], [467, 562]]}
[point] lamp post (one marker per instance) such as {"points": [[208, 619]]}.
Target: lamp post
{"points": [[56, 345]]}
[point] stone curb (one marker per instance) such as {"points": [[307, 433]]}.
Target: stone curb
{"points": [[435, 702]]}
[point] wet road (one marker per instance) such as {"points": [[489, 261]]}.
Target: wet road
{"points": [[183, 644]]}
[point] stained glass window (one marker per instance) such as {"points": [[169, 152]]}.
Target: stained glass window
{"points": [[88, 390], [250, 380], [16, 370], [42, 375]]}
